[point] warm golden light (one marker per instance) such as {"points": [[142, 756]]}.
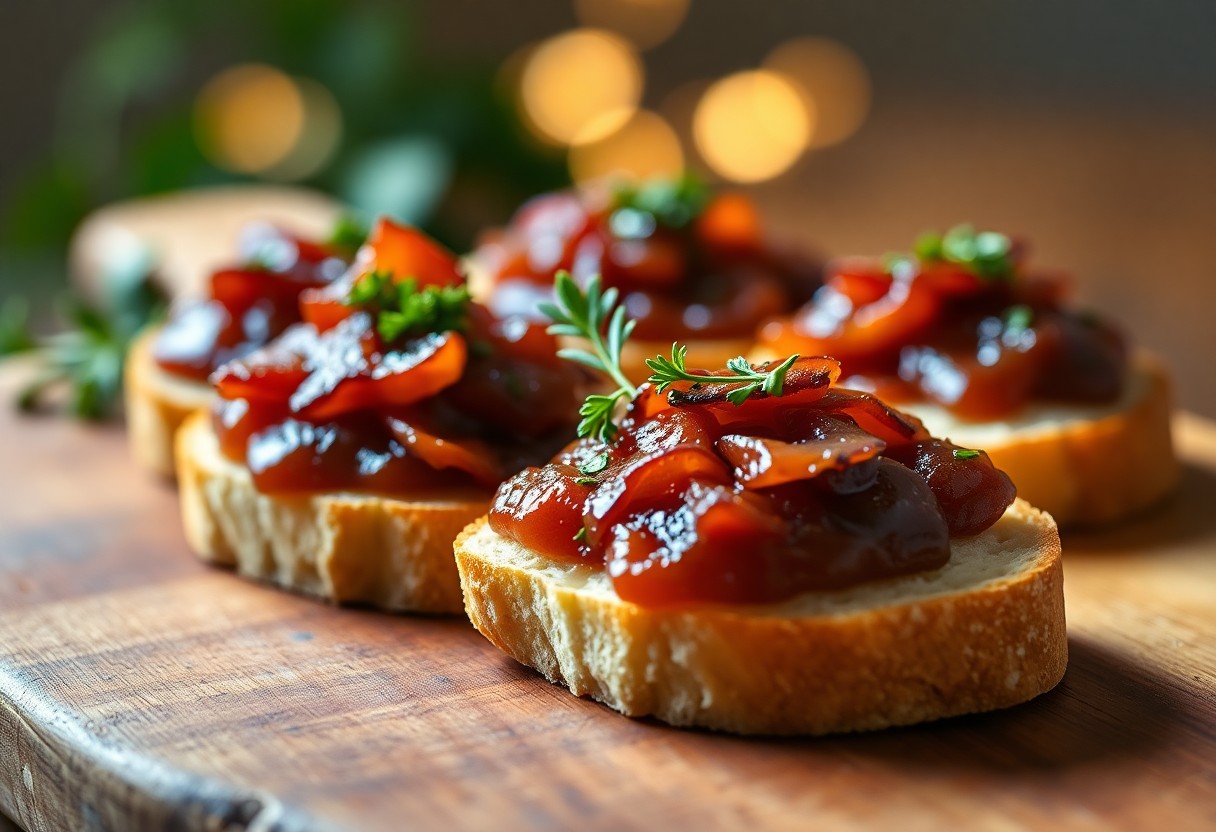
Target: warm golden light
{"points": [[248, 118], [257, 119], [581, 86], [646, 146], [752, 126], [831, 76], [646, 23]]}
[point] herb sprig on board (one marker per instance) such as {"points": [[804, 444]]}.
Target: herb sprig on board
{"points": [[595, 317], [402, 308]]}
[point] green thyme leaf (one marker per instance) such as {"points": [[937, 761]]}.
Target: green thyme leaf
{"points": [[965, 453], [1018, 318], [402, 309], [673, 203], [581, 534], [986, 254], [665, 372], [593, 316], [586, 481]]}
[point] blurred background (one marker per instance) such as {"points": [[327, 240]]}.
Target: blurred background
{"points": [[1088, 127]]}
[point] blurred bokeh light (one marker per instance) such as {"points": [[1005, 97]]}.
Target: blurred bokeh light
{"points": [[580, 86], [646, 23], [752, 126], [832, 79], [646, 146], [249, 117]]}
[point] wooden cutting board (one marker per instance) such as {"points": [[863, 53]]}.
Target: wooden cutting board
{"points": [[141, 690]]}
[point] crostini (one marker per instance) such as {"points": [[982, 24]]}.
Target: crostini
{"points": [[341, 459], [247, 305], [758, 550], [689, 264], [988, 353]]}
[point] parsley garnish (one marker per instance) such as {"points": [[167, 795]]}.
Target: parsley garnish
{"points": [[667, 372], [586, 481], [401, 308], [985, 254], [671, 202], [594, 316], [581, 534], [965, 453]]}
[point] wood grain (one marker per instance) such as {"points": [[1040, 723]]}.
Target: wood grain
{"points": [[142, 690]]}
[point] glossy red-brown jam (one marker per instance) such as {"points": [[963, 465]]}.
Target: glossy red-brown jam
{"points": [[331, 405], [980, 345], [249, 304], [698, 500], [701, 271]]}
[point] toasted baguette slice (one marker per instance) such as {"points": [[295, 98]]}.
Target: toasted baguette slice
{"points": [[342, 547], [157, 403], [985, 631], [1083, 465]]}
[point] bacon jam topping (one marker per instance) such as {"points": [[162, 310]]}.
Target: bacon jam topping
{"points": [[395, 383], [249, 304], [960, 323], [688, 264], [750, 484], [698, 500]]}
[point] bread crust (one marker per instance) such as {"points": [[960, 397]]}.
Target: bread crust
{"points": [[156, 404], [894, 653], [342, 547]]}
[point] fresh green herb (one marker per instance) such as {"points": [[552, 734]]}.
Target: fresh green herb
{"points": [[586, 481], [673, 203], [401, 308], [593, 316], [14, 327], [749, 380], [348, 233], [965, 453], [581, 534], [985, 254], [594, 465], [88, 357], [1018, 318]]}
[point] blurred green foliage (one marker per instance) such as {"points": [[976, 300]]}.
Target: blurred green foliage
{"points": [[428, 142], [432, 143]]}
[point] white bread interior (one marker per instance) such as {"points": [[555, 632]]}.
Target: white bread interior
{"points": [[984, 632], [157, 402], [345, 548]]}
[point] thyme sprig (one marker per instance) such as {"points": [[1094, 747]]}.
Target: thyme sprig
{"points": [[595, 317], [750, 380]]}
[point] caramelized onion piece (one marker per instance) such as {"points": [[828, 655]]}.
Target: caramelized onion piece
{"points": [[972, 492], [831, 444], [542, 510]]}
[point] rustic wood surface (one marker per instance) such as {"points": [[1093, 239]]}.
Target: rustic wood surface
{"points": [[141, 690]]}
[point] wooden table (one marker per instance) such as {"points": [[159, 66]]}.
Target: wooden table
{"points": [[139, 689]]}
